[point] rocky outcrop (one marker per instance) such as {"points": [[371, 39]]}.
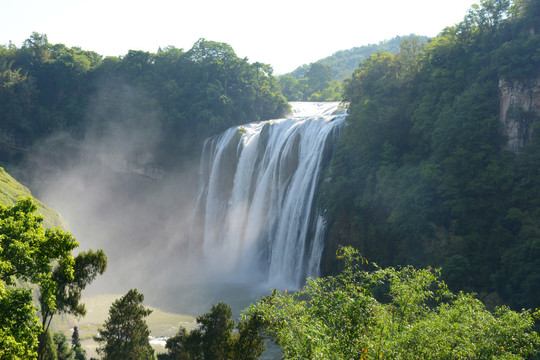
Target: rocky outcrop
{"points": [[520, 108], [148, 170], [142, 165]]}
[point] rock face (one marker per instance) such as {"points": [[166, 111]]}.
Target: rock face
{"points": [[148, 170], [520, 108], [142, 165]]}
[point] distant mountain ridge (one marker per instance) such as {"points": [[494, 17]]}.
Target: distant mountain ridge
{"points": [[344, 62]]}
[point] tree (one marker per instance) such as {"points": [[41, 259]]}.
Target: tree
{"points": [[344, 62], [250, 343], [391, 314], [63, 350], [125, 333], [216, 328], [19, 325], [488, 14], [213, 339], [184, 345], [49, 346], [17, 101], [37, 47], [319, 76], [292, 88], [80, 353], [69, 289], [27, 254], [48, 88], [56, 347]]}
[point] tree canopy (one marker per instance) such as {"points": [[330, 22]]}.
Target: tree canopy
{"points": [[317, 84], [87, 266], [33, 257], [125, 333], [213, 339], [27, 254], [182, 97], [367, 312]]}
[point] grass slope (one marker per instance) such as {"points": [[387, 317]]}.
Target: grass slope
{"points": [[11, 190]]}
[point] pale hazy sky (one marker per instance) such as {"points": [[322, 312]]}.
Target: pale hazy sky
{"points": [[282, 33]]}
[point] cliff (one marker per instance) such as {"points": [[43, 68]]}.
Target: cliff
{"points": [[520, 108]]}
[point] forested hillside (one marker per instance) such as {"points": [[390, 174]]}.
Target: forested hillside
{"points": [[424, 174], [176, 97], [322, 80], [344, 62]]}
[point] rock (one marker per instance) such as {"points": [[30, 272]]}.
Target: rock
{"points": [[520, 108]]}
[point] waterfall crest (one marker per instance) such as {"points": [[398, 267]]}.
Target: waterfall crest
{"points": [[256, 200]]}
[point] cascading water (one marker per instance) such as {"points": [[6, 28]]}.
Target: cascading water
{"points": [[257, 196]]}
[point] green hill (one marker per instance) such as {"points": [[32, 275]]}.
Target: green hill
{"points": [[11, 190], [321, 80], [344, 62]]}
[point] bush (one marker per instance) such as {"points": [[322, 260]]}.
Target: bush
{"points": [[391, 314]]}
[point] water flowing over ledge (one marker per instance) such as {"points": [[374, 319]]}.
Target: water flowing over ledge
{"points": [[256, 200]]}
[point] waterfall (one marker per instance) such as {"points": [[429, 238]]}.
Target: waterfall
{"points": [[256, 199]]}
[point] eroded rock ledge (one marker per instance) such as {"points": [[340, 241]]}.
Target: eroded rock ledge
{"points": [[520, 108]]}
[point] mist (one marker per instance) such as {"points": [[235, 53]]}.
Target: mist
{"points": [[260, 227], [115, 197]]}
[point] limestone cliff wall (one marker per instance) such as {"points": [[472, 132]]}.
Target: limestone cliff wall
{"points": [[520, 108]]}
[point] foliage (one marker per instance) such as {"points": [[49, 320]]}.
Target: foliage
{"points": [[321, 80], [79, 352], [125, 333], [86, 267], [344, 62], [27, 254], [49, 346], [19, 325], [317, 84], [421, 176], [391, 314], [214, 339], [182, 97], [63, 349], [250, 343], [216, 328], [56, 347]]}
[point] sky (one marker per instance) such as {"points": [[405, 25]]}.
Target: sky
{"points": [[282, 33]]}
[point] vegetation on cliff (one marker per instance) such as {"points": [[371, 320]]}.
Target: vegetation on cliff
{"points": [[421, 176]]}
